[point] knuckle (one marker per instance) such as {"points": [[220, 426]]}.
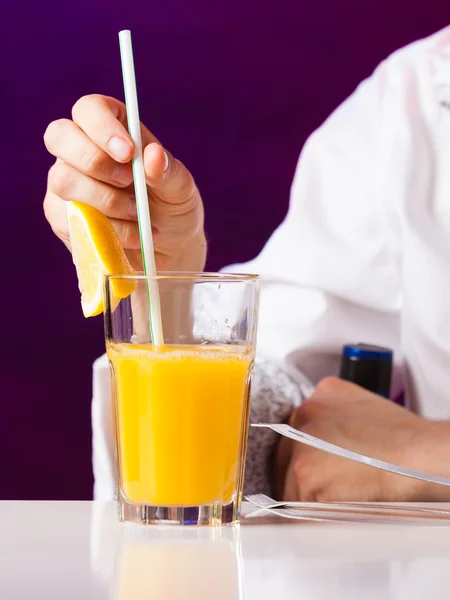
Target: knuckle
{"points": [[46, 207], [53, 133], [58, 226], [328, 385], [59, 179], [186, 184], [83, 104], [92, 162], [108, 202]]}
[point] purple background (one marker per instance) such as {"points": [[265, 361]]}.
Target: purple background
{"points": [[233, 89]]}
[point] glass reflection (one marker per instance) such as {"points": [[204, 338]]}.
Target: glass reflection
{"points": [[171, 564]]}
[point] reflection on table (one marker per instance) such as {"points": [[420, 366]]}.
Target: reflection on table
{"points": [[270, 558], [176, 564]]}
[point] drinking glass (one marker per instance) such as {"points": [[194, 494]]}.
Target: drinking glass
{"points": [[181, 409]]}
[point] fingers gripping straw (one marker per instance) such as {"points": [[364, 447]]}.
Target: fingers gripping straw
{"points": [[145, 229]]}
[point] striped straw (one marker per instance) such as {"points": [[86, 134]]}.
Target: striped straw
{"points": [[140, 185]]}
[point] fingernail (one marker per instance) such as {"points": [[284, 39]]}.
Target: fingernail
{"points": [[166, 162], [122, 175], [119, 148]]}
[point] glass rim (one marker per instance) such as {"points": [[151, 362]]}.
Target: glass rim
{"points": [[188, 276]]}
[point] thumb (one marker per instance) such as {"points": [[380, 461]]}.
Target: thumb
{"points": [[167, 175]]}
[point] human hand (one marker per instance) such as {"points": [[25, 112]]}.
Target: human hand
{"points": [[349, 416], [93, 165]]}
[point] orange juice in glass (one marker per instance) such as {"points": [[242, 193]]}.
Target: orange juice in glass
{"points": [[182, 409]]}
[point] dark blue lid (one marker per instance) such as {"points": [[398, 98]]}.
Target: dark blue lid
{"points": [[367, 352]]}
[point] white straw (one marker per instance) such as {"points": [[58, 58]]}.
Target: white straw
{"points": [[145, 227]]}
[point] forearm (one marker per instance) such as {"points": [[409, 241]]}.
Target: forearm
{"points": [[430, 451]]}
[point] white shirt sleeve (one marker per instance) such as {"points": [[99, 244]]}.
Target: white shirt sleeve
{"points": [[103, 453], [330, 272]]}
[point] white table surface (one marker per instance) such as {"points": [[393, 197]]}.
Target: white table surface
{"points": [[66, 550]]}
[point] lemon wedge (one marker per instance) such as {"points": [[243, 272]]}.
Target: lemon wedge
{"points": [[96, 252]]}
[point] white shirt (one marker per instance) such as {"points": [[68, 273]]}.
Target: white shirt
{"points": [[364, 252]]}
